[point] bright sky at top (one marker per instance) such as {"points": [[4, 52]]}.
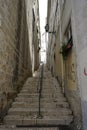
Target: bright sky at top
{"points": [[43, 15]]}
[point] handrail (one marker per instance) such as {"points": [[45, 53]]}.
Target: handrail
{"points": [[40, 93]]}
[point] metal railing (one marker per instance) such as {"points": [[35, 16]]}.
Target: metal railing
{"points": [[40, 93]]}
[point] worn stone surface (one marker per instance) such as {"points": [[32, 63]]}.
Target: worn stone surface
{"points": [[37, 128], [15, 51], [10, 45], [54, 106]]}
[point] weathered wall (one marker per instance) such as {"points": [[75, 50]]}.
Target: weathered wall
{"points": [[70, 76], [68, 71], [51, 43], [24, 49], [36, 36], [79, 29], [14, 51], [16, 36], [33, 22], [8, 40], [54, 59], [80, 34]]}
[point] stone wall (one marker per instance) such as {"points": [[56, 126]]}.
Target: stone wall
{"points": [[33, 22], [53, 54], [80, 39], [15, 53], [71, 84], [58, 21]]}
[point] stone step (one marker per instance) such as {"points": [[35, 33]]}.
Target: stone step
{"points": [[37, 81], [51, 79], [13, 127], [32, 105], [28, 95], [48, 103], [24, 104], [43, 99], [43, 89], [45, 82], [35, 91], [30, 100], [43, 93], [50, 85], [36, 95], [35, 88], [24, 111], [54, 107], [20, 120], [36, 84]]}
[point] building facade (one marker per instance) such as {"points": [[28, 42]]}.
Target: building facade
{"points": [[33, 22], [67, 51], [19, 53]]}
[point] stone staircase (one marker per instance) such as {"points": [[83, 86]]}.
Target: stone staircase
{"points": [[34, 128], [54, 106]]}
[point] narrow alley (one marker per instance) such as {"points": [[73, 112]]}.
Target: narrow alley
{"points": [[43, 64]]}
